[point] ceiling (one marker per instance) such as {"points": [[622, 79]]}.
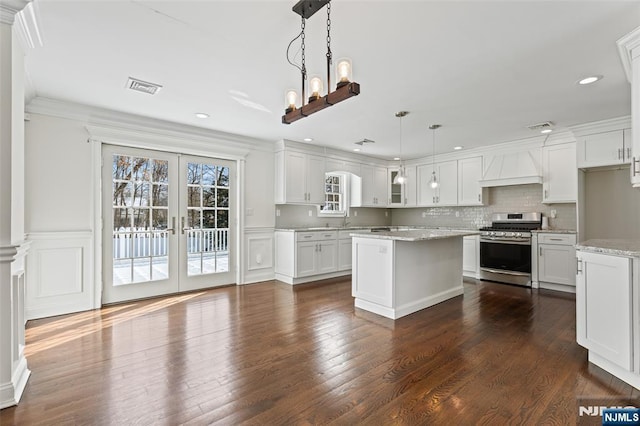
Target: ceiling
{"points": [[483, 70]]}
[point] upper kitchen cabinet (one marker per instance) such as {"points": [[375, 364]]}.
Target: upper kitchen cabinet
{"points": [[446, 193], [402, 195], [299, 178], [374, 186], [604, 149], [470, 192], [629, 49], [560, 175]]}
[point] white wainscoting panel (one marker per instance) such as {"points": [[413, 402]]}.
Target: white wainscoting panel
{"points": [[259, 247], [59, 273]]}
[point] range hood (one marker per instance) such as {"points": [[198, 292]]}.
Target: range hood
{"points": [[514, 168]]}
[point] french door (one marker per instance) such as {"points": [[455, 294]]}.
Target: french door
{"points": [[168, 223]]}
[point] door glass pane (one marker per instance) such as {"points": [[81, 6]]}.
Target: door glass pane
{"points": [[208, 218], [140, 219]]}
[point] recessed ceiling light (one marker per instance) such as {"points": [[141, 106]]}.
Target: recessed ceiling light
{"points": [[458, 148], [308, 139], [546, 131], [202, 115], [356, 149], [396, 158], [590, 79]]}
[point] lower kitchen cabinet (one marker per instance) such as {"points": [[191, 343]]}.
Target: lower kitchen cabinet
{"points": [[604, 308], [471, 256], [307, 256], [344, 250], [555, 261]]}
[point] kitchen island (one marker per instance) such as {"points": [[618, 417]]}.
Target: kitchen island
{"points": [[397, 273]]}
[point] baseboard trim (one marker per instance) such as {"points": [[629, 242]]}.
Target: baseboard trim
{"points": [[10, 393], [293, 281]]}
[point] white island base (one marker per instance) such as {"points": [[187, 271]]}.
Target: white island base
{"points": [[398, 273]]}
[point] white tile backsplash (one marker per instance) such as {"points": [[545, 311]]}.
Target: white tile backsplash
{"points": [[511, 199]]}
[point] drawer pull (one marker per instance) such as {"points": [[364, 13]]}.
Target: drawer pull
{"points": [[556, 239]]}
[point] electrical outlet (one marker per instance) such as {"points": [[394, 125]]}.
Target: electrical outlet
{"points": [[278, 212], [457, 213], [554, 213], [424, 214], [355, 213], [386, 213], [310, 213]]}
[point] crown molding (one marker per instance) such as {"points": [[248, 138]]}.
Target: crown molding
{"points": [[125, 124], [612, 124], [10, 8], [27, 27], [627, 44]]}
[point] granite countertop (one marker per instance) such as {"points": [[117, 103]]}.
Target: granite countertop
{"points": [[414, 235], [330, 228], [554, 231], [356, 228], [629, 248]]}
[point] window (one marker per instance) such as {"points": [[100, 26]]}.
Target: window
{"points": [[334, 196]]}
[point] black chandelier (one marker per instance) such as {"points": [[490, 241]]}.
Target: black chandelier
{"points": [[345, 88]]}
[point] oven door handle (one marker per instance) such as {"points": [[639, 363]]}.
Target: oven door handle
{"points": [[502, 271], [505, 241]]}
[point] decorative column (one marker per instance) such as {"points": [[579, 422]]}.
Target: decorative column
{"points": [[13, 248]]}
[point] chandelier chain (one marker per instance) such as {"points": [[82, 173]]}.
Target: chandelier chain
{"points": [[304, 66], [329, 54]]}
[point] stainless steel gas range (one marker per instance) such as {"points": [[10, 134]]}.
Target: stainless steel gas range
{"points": [[505, 248]]}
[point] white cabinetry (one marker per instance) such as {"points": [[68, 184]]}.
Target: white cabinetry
{"points": [[402, 195], [374, 186], [307, 256], [604, 149], [446, 194], [469, 176], [471, 256], [629, 49], [559, 174], [299, 178], [344, 250], [604, 307], [556, 261]]}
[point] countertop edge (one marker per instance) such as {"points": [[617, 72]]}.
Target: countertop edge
{"points": [[626, 248]]}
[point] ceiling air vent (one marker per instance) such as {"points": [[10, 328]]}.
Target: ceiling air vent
{"points": [[541, 126], [143, 86]]}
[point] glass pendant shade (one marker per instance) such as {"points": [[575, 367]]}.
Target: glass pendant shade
{"points": [[434, 180], [400, 178], [344, 72], [291, 99], [316, 88]]}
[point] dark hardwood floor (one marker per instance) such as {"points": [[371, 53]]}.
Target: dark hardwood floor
{"points": [[274, 354]]}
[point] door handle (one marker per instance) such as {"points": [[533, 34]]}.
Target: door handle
{"points": [[173, 226], [540, 250], [479, 197], [182, 225], [319, 247], [578, 266], [620, 152], [634, 161], [628, 153]]}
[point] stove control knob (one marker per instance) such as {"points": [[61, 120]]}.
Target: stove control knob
{"points": [[518, 234]]}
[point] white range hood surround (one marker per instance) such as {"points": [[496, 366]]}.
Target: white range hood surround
{"points": [[512, 168]]}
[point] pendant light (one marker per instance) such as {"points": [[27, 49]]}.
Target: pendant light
{"points": [[434, 179], [401, 177]]}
